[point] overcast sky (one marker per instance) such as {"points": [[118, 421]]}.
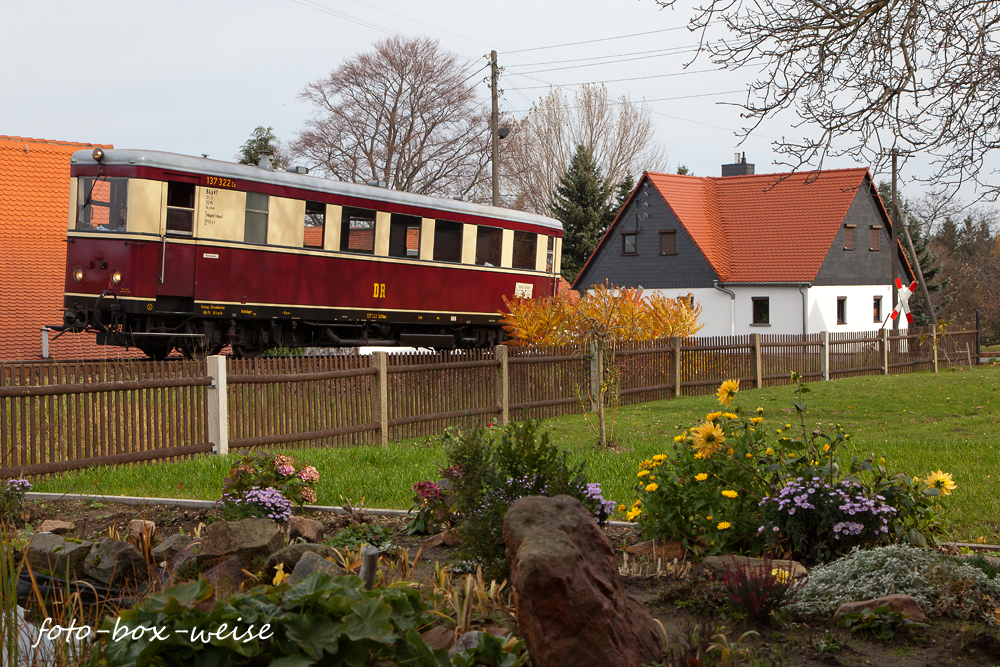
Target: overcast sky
{"points": [[197, 77]]}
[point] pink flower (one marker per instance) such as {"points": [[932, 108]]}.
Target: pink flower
{"points": [[309, 475], [285, 470], [427, 490]]}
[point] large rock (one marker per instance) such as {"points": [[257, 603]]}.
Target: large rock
{"points": [[249, 539], [290, 556], [116, 563], [57, 555], [309, 530], [904, 604], [572, 607], [55, 526], [170, 546], [311, 562]]}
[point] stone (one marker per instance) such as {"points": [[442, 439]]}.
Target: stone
{"points": [[187, 554], [309, 530], [904, 604], [465, 643], [439, 637], [55, 526], [226, 575], [448, 538], [573, 608], [170, 546], [249, 539], [57, 555], [291, 555], [664, 551], [312, 562], [116, 563], [718, 564], [137, 528]]}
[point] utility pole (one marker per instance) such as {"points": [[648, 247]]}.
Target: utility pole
{"points": [[894, 221], [494, 128]]}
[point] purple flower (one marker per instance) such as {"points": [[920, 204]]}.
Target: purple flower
{"points": [[309, 475], [285, 470]]}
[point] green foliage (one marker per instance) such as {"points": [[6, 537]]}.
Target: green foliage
{"points": [[258, 469], [319, 620], [12, 500], [980, 563], [358, 535], [283, 352], [581, 204], [493, 469], [879, 621], [435, 505], [493, 652], [261, 139]]}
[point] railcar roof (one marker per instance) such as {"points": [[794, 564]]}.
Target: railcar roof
{"points": [[253, 173]]}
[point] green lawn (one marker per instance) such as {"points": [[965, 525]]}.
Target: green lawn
{"points": [[919, 423]]}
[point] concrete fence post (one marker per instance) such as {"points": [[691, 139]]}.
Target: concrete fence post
{"points": [[756, 361], [380, 395], [824, 354], [503, 384], [218, 404], [883, 345], [675, 365]]}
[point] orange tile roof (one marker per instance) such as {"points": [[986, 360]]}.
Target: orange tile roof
{"points": [[765, 227], [34, 207]]}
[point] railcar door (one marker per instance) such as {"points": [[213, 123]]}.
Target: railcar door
{"points": [[178, 248]]}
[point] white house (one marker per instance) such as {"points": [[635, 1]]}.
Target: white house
{"points": [[766, 253]]}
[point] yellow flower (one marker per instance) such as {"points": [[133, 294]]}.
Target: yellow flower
{"points": [[723, 525], [749, 455], [727, 391], [728, 493], [642, 473], [633, 513], [708, 438], [760, 411], [791, 455], [678, 438], [941, 481], [636, 503], [652, 487], [788, 425], [622, 508], [712, 416], [652, 477], [280, 574], [826, 447], [730, 451], [779, 431], [756, 420], [699, 455], [769, 451], [660, 458], [781, 576], [729, 415], [709, 517], [701, 477]]}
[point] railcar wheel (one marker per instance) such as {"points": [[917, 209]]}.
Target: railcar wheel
{"points": [[246, 352], [156, 351]]}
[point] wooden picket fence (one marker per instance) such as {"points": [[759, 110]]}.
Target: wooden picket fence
{"points": [[59, 416]]}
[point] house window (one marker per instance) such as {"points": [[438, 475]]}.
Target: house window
{"points": [[255, 223], [357, 230], [848, 237], [877, 309], [761, 310], [447, 241], [876, 237], [404, 235], [102, 204], [668, 242], [315, 222], [525, 248], [841, 310], [489, 241], [180, 208], [628, 243]]}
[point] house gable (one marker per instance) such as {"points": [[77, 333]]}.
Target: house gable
{"points": [[688, 268]]}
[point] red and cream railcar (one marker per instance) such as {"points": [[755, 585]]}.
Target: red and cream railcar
{"points": [[168, 251]]}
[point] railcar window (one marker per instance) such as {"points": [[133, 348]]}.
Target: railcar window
{"points": [[102, 204], [447, 241], [357, 232], [404, 236], [315, 222], [550, 255], [180, 208], [525, 245], [255, 224], [489, 241]]}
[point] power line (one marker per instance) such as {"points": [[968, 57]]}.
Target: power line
{"points": [[610, 62], [614, 55], [659, 99], [592, 41], [634, 78]]}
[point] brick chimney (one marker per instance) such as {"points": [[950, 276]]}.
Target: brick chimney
{"points": [[740, 167]]}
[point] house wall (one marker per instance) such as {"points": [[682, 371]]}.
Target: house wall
{"points": [[688, 269], [859, 310], [860, 266]]}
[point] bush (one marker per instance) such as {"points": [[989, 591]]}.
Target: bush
{"points": [[264, 486], [12, 500], [938, 583], [494, 468], [755, 592]]}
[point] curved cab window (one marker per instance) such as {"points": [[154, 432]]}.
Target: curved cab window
{"points": [[525, 246], [357, 231], [102, 205], [447, 241]]}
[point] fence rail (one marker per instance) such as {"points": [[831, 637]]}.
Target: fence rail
{"points": [[60, 416]]}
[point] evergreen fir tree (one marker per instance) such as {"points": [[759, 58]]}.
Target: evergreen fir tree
{"points": [[581, 205], [262, 139]]}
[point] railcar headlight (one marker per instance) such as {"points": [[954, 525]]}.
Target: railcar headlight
{"points": [[116, 276], [78, 274]]}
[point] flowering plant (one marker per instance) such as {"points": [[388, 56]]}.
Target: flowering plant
{"points": [[256, 481], [434, 504], [12, 499]]}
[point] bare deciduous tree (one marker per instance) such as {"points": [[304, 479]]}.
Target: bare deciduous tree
{"points": [[405, 113], [916, 75], [620, 134]]}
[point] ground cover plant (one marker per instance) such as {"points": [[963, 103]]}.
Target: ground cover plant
{"points": [[920, 422]]}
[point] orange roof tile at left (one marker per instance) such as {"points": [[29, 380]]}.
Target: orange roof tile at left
{"points": [[34, 208]]}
